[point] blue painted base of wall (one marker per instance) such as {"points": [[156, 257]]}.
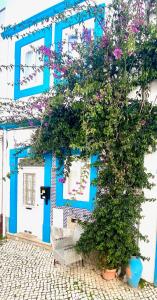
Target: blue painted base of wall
{"points": [[47, 207]]}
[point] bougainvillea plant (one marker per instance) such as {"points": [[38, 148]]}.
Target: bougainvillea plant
{"points": [[102, 106]]}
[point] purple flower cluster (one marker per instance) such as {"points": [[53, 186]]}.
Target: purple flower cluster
{"points": [[117, 53], [45, 50], [134, 28], [30, 123], [104, 41], [86, 36], [61, 180]]}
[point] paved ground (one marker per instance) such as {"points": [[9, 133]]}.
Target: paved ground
{"points": [[27, 272]]}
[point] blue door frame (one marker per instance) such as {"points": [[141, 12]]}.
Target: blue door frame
{"points": [[15, 155], [155, 274]]}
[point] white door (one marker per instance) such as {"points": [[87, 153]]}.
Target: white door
{"points": [[30, 206]]}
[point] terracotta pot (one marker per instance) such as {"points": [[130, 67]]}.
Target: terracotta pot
{"points": [[109, 274], [128, 272]]}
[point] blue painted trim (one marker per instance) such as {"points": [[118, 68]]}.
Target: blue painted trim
{"points": [[50, 12], [77, 19], [8, 126], [155, 274], [45, 33], [15, 154], [47, 207], [89, 205]]}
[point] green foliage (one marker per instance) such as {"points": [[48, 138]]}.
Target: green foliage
{"points": [[94, 112], [143, 283], [29, 161]]}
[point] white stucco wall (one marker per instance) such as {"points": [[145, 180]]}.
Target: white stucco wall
{"points": [[11, 138], [23, 10], [1, 166], [148, 224]]}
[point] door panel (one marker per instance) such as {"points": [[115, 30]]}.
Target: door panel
{"points": [[30, 206]]}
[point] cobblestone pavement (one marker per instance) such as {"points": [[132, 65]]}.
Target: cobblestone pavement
{"points": [[27, 272]]}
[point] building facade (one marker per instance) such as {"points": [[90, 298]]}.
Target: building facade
{"points": [[22, 208]]}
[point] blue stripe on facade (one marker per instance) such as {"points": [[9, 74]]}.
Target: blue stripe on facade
{"points": [[8, 126], [45, 33], [155, 274], [15, 154], [47, 207], [50, 12], [89, 205]]}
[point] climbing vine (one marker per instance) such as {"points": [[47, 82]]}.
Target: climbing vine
{"points": [[102, 106]]}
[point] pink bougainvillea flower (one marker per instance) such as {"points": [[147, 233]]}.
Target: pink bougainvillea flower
{"points": [[83, 186], [57, 76], [86, 35], [117, 53], [45, 50], [61, 180], [30, 123], [104, 41], [46, 124], [134, 28], [74, 45]]}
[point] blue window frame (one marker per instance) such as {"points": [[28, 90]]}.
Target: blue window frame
{"points": [[45, 34], [89, 205], [45, 14], [79, 18]]}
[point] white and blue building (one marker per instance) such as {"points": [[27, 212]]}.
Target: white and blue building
{"points": [[21, 206]]}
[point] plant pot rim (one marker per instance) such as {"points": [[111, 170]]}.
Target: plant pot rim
{"points": [[111, 270]]}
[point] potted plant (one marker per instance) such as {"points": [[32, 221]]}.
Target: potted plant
{"points": [[109, 274], [111, 234]]}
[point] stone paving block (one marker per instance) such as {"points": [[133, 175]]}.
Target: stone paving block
{"points": [[27, 272]]}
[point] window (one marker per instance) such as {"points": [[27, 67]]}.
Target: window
{"points": [[71, 36], [28, 62], [72, 40], [31, 59], [85, 193], [77, 184], [29, 189], [38, 82]]}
